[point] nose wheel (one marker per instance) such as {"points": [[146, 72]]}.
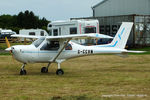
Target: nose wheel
{"points": [[44, 70], [23, 71]]}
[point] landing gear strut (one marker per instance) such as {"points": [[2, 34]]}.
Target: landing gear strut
{"points": [[59, 70], [45, 69], [23, 71]]}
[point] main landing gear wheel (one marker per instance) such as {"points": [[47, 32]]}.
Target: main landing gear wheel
{"points": [[23, 72], [59, 72], [44, 70]]}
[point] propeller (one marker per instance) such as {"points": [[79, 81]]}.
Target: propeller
{"points": [[9, 47]]}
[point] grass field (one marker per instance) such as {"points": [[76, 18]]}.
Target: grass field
{"points": [[98, 77]]}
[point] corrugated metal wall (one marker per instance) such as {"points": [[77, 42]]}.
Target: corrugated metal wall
{"points": [[142, 30], [140, 34], [122, 7]]}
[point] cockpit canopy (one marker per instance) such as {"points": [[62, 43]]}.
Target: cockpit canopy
{"points": [[50, 44], [38, 41], [47, 45]]}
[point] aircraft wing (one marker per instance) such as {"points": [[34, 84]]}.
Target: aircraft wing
{"points": [[26, 36], [76, 36], [80, 36]]}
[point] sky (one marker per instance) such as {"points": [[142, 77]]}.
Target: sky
{"points": [[50, 9]]}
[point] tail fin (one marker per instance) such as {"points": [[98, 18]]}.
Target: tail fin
{"points": [[122, 35]]}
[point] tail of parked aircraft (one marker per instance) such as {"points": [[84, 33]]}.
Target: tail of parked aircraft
{"points": [[122, 36]]}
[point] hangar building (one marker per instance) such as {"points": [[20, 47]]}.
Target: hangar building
{"points": [[111, 13], [121, 7]]}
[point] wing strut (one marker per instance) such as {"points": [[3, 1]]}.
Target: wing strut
{"points": [[61, 50]]}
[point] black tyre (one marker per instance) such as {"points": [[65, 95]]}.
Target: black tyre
{"points": [[59, 72], [44, 70], [23, 72]]}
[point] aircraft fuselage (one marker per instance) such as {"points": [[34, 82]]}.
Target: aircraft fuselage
{"points": [[31, 54]]}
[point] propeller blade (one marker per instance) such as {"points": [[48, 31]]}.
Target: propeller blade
{"points": [[9, 48], [7, 42], [8, 45]]}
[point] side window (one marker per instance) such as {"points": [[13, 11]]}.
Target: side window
{"points": [[42, 33], [50, 45], [55, 32], [49, 25], [50, 32], [68, 47], [59, 31], [90, 30], [31, 33], [73, 30]]}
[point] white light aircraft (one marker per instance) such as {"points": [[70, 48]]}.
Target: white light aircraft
{"points": [[56, 49]]}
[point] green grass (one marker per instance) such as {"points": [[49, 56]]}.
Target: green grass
{"points": [[85, 78], [5, 54]]}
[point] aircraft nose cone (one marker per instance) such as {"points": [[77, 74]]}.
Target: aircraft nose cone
{"points": [[11, 49], [8, 49]]}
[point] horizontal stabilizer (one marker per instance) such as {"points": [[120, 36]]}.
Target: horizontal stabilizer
{"points": [[130, 51], [125, 53]]}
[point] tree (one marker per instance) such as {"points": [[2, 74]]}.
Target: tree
{"points": [[20, 19], [6, 21], [25, 20]]}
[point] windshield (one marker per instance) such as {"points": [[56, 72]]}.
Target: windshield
{"points": [[38, 41]]}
